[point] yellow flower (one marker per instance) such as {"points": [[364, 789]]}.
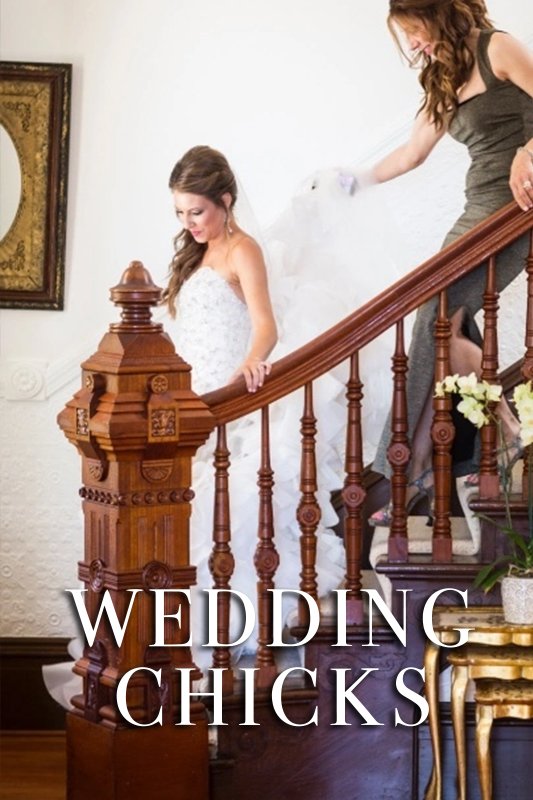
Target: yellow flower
{"points": [[524, 407], [522, 392], [526, 433], [523, 399], [450, 382], [446, 386], [467, 384], [493, 392], [472, 410]]}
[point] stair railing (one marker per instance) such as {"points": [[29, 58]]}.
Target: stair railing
{"points": [[344, 342], [136, 423]]}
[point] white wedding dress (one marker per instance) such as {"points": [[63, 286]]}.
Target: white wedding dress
{"points": [[326, 254], [325, 257], [213, 331]]}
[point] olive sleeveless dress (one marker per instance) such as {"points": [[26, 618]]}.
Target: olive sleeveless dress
{"points": [[492, 125]]}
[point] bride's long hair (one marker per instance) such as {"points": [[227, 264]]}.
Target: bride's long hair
{"points": [[204, 171], [449, 22]]}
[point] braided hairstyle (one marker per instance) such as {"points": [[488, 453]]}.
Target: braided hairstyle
{"points": [[449, 22], [206, 172]]}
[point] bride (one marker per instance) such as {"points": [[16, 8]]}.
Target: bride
{"points": [[218, 285], [219, 296]]}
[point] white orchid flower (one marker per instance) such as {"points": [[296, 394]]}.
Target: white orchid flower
{"points": [[467, 384], [522, 392], [493, 392], [472, 410], [526, 434]]}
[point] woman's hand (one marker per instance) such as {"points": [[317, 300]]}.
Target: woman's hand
{"points": [[348, 181], [254, 371], [352, 181], [521, 178]]}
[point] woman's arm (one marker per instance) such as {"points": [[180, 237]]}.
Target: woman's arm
{"points": [[512, 61], [424, 136], [249, 269]]}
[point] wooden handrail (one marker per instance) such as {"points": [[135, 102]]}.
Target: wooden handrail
{"points": [[362, 326]]}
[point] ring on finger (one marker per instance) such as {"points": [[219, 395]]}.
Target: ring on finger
{"points": [[527, 185]]}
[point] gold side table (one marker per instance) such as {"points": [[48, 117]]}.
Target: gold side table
{"points": [[488, 629], [470, 662]]}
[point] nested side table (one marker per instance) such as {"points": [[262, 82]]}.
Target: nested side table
{"points": [[489, 632]]}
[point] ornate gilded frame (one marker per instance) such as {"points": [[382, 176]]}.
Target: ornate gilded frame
{"points": [[35, 112]]}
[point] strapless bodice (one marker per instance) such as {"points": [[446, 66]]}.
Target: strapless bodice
{"points": [[213, 329]]}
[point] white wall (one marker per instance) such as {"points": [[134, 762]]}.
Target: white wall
{"points": [[282, 88]]}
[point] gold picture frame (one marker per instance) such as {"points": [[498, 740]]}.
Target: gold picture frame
{"points": [[35, 115]]}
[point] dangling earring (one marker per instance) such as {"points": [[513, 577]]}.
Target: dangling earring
{"points": [[227, 224]]}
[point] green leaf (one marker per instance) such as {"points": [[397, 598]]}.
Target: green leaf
{"points": [[517, 540], [490, 575]]}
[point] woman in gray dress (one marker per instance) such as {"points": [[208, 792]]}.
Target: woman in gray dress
{"points": [[478, 86]]}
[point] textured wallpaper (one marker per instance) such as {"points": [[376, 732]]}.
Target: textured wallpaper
{"points": [[41, 523]]}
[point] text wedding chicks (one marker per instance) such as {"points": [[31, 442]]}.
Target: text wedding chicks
{"points": [[345, 695]]}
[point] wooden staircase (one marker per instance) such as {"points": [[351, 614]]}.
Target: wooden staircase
{"points": [[326, 748]]}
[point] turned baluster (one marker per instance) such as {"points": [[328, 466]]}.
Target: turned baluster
{"points": [[221, 561], [399, 452], [353, 495], [489, 485], [527, 367], [442, 433], [308, 513], [266, 560]]}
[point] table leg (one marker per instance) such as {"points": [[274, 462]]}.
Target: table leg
{"points": [[431, 667], [484, 716], [459, 682]]}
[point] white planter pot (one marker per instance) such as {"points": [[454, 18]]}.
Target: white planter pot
{"points": [[517, 600]]}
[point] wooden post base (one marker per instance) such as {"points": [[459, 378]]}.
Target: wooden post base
{"points": [[163, 762]]}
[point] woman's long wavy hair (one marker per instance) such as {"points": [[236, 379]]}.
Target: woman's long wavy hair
{"points": [[449, 22], [206, 172]]}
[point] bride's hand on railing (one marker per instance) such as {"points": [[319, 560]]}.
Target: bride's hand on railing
{"points": [[254, 371]]}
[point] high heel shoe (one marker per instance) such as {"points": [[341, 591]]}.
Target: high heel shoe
{"points": [[428, 490], [382, 518], [471, 481]]}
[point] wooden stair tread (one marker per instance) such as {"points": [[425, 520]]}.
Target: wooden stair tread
{"points": [[419, 538]]}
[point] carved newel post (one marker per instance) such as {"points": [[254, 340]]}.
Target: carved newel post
{"points": [[137, 424]]}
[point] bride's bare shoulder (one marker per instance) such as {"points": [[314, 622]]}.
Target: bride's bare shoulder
{"points": [[245, 249]]}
